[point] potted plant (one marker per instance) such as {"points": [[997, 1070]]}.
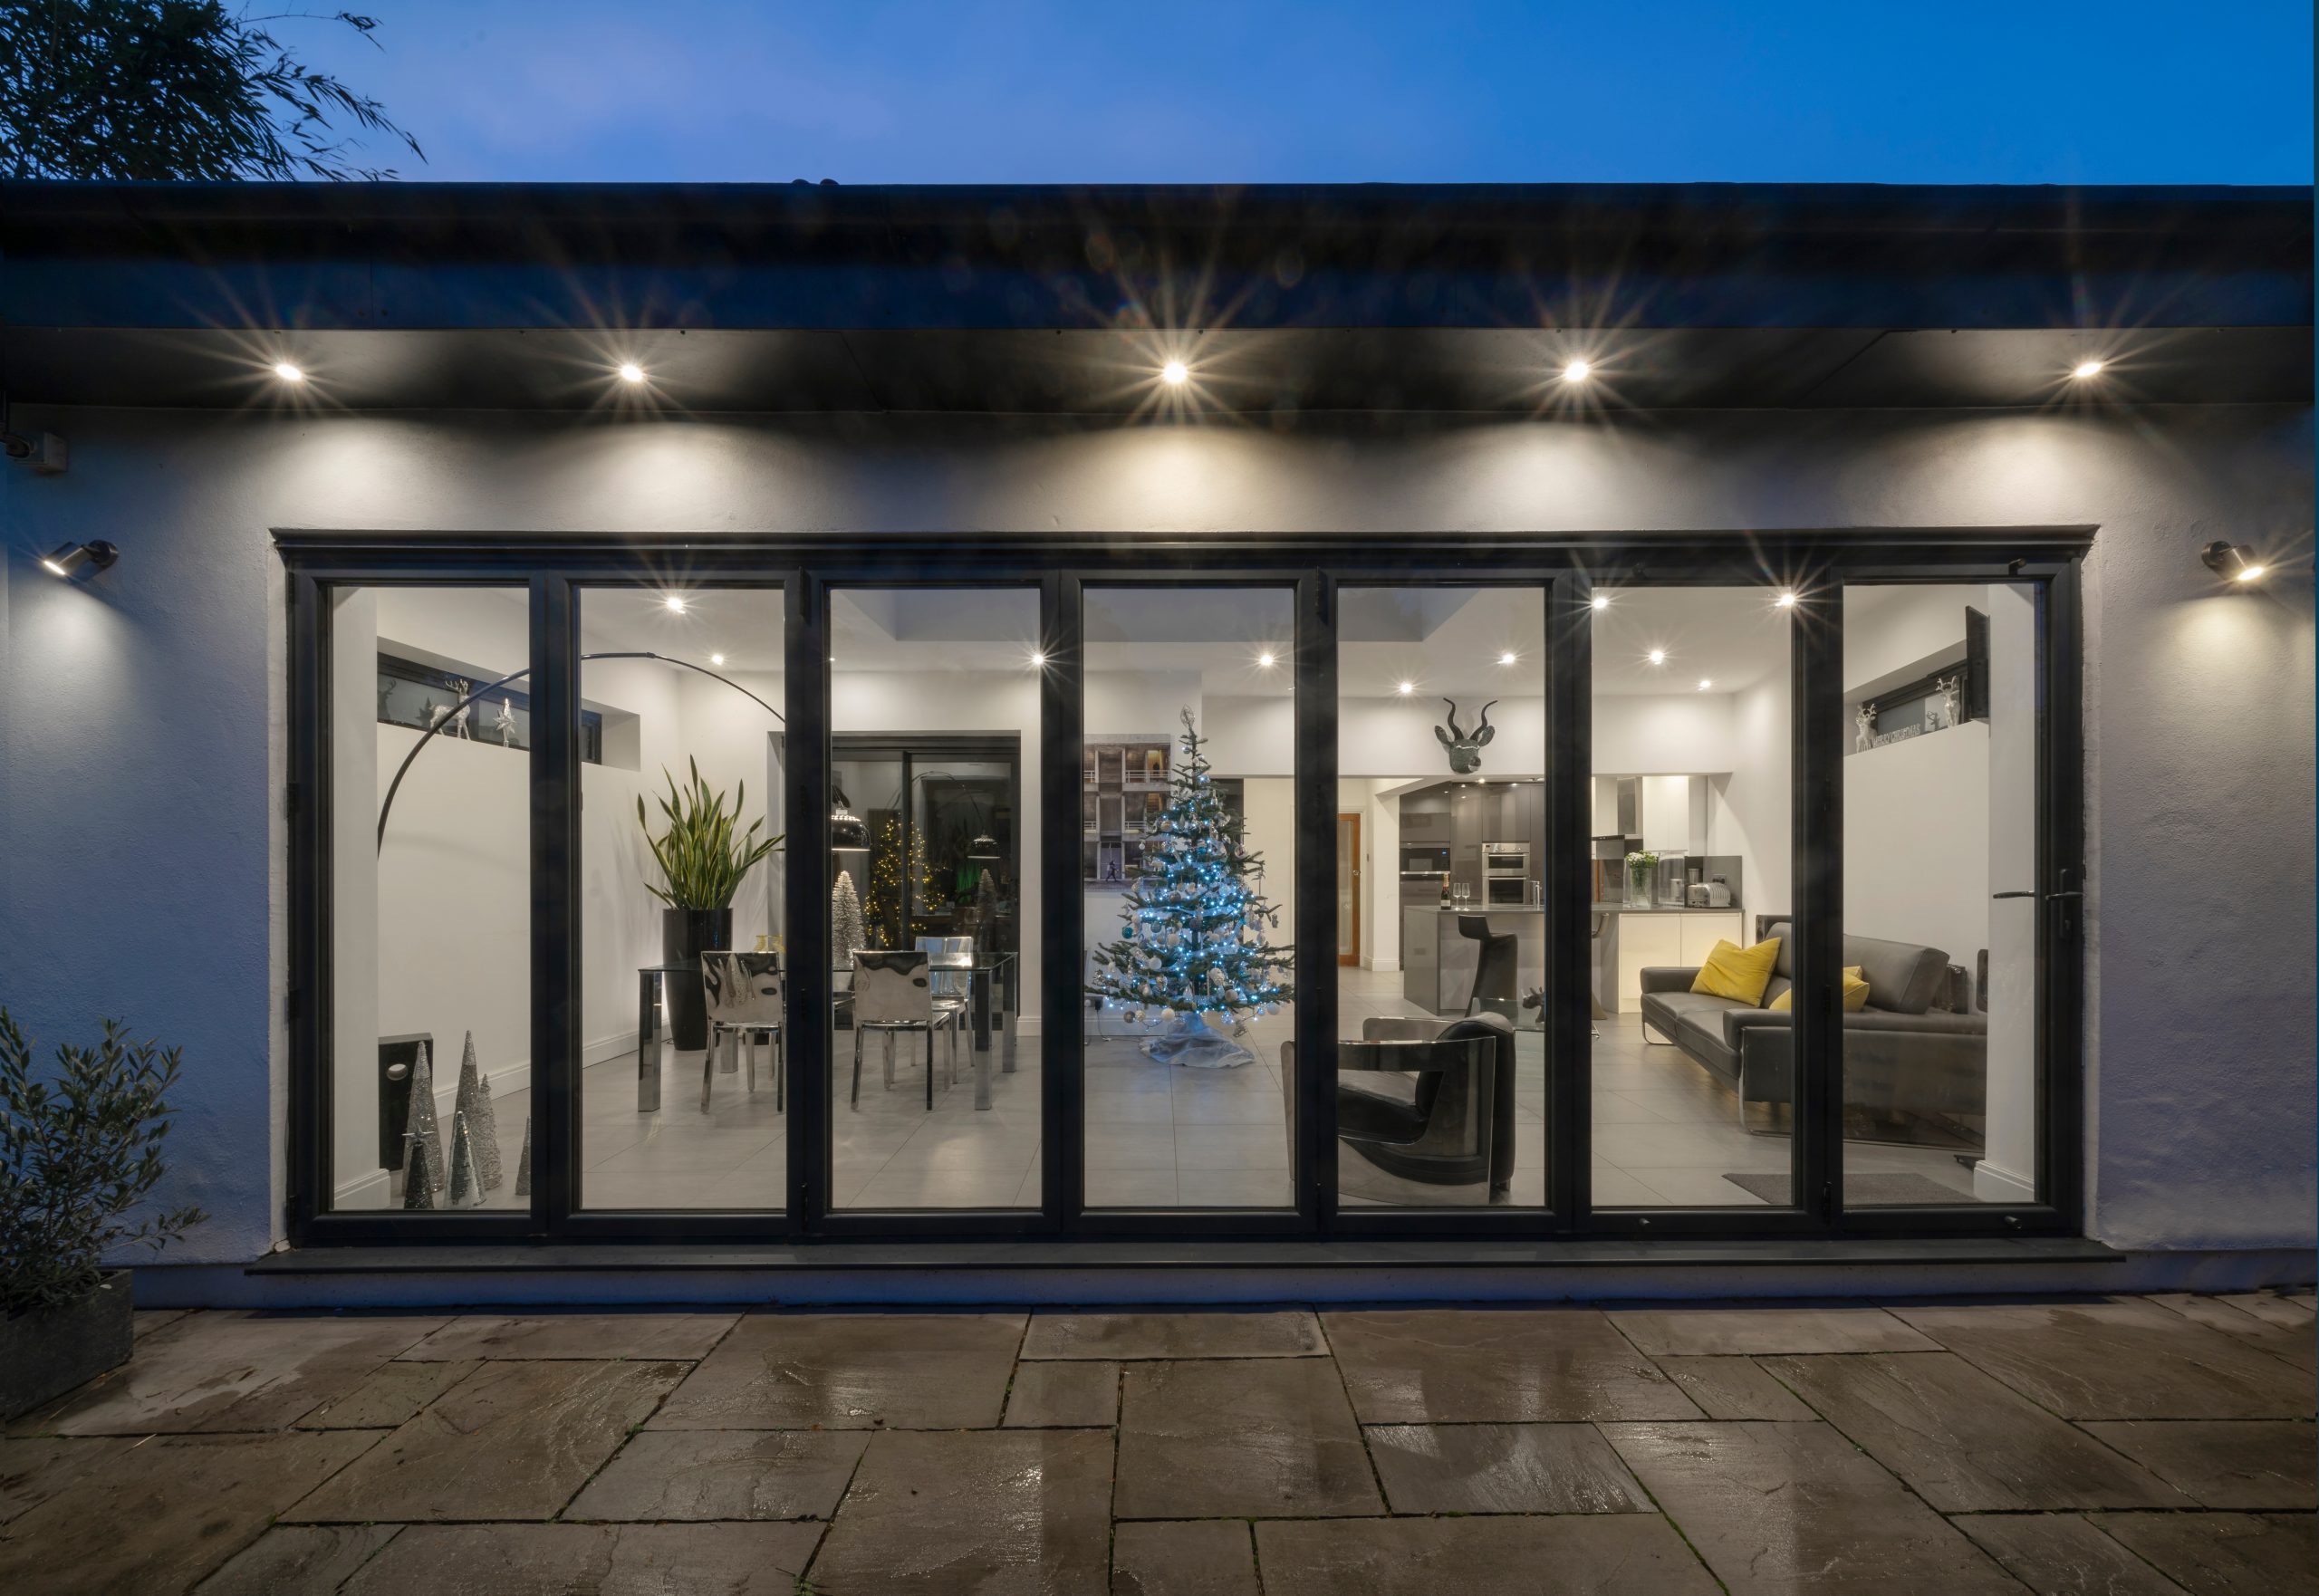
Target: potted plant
{"points": [[705, 856], [78, 1152]]}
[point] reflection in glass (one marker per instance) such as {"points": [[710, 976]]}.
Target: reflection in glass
{"points": [[1690, 954], [683, 1085], [1941, 911], [430, 912]]}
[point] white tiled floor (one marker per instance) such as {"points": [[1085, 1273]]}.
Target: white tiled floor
{"points": [[1665, 1133]]}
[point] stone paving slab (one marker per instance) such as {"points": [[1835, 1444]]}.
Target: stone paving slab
{"points": [[1779, 1508], [2061, 1554], [2224, 1554], [1502, 1468], [1744, 1329], [1203, 1557], [1240, 1438], [511, 1440], [1732, 1387], [162, 1516], [2280, 1329], [987, 1511], [852, 1371], [391, 1396], [1453, 1366], [1962, 1441], [231, 1371], [1220, 1334], [2117, 1359], [2252, 1464], [1616, 1554], [608, 1560], [1048, 1396], [654, 1337], [35, 1467], [732, 1474], [300, 1558]]}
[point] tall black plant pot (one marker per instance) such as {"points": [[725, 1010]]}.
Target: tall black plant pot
{"points": [[685, 934]]}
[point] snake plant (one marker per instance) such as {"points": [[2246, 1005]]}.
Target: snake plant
{"points": [[703, 856]]}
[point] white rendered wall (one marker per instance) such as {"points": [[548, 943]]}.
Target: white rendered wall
{"points": [[139, 780]]}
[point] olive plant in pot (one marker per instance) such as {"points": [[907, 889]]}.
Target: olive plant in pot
{"points": [[705, 854], [80, 1152]]}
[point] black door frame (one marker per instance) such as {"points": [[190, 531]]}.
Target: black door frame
{"points": [[1816, 564]]}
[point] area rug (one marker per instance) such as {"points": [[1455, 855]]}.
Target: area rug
{"points": [[1860, 1190]]}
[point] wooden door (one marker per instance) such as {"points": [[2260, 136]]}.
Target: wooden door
{"points": [[1348, 888]]}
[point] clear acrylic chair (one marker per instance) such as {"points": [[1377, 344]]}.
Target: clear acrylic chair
{"points": [[891, 993], [743, 996]]}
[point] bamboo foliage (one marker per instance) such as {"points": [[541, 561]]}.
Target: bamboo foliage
{"points": [[704, 857]]}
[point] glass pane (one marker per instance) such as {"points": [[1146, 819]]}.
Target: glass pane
{"points": [[683, 1045], [1940, 816], [934, 717], [1693, 756], [1187, 854], [1441, 750], [430, 911]]}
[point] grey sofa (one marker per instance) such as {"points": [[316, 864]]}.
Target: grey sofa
{"points": [[1900, 1055]]}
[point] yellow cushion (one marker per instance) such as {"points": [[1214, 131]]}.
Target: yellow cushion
{"points": [[1739, 973], [1855, 991]]}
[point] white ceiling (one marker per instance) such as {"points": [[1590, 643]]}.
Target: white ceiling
{"points": [[1446, 642]]}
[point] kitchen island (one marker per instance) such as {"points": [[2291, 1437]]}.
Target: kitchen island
{"points": [[1438, 964]]}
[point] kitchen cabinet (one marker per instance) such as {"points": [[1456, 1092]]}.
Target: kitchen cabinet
{"points": [[1644, 942], [1701, 932]]}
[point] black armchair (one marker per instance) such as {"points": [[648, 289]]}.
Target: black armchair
{"points": [[1423, 1104]]}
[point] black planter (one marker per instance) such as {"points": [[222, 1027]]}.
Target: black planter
{"points": [[685, 934], [46, 1353]]}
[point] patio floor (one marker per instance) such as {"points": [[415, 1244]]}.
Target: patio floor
{"points": [[2120, 1445]]}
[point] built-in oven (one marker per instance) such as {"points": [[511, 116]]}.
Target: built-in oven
{"points": [[1506, 873]]}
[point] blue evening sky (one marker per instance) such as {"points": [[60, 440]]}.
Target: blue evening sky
{"points": [[1607, 91]]}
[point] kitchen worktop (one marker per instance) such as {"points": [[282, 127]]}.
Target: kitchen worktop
{"points": [[1660, 908]]}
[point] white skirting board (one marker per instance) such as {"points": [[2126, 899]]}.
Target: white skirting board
{"points": [[1993, 1185]]}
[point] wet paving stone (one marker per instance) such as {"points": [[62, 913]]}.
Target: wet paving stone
{"points": [[1619, 1554], [511, 1440], [1209, 1557], [35, 1468], [603, 1560], [1225, 1334], [1048, 1396], [710, 1475], [390, 1397], [1456, 1366], [1781, 1508], [990, 1511], [1962, 1441], [2225, 1553], [1222, 1439], [231, 1371], [1733, 1387], [1502, 1468], [2251, 1464], [1744, 1329], [162, 1516], [299, 1558], [852, 1371], [653, 1337], [2281, 1329], [2117, 1359], [2061, 1554]]}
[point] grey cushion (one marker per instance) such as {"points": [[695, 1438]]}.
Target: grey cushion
{"points": [[1903, 977]]}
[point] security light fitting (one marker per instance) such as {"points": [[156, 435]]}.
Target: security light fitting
{"points": [[70, 557], [2235, 562]]}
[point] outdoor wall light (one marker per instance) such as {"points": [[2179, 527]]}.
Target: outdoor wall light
{"points": [[675, 602], [2086, 368], [288, 372], [1174, 374], [1578, 370], [70, 557], [2234, 561], [629, 371]]}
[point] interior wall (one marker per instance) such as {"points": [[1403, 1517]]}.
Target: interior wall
{"points": [[1749, 812], [140, 703]]}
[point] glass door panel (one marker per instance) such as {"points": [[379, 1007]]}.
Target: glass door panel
{"points": [[1943, 894], [1690, 954], [683, 1065], [935, 738]]}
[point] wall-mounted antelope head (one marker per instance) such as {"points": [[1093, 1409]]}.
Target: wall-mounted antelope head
{"points": [[1466, 747]]}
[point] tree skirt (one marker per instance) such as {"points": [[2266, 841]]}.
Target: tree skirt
{"points": [[1191, 1044]]}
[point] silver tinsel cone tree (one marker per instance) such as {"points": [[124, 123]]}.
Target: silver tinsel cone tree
{"points": [[417, 1175], [474, 1106], [467, 1191], [846, 930], [1195, 945], [422, 1121], [523, 1164]]}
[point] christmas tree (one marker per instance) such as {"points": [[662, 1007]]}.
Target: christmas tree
{"points": [[1194, 927], [897, 879]]}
